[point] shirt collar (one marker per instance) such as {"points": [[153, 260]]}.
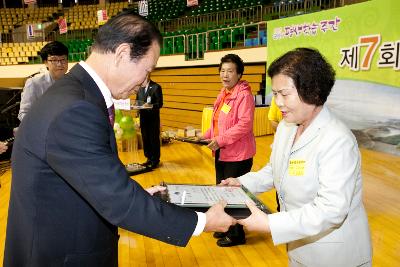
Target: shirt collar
{"points": [[147, 87], [99, 82], [227, 92], [48, 77]]}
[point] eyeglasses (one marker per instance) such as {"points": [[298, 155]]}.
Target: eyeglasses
{"points": [[58, 61]]}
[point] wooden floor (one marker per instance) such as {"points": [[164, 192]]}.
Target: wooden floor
{"points": [[183, 162]]}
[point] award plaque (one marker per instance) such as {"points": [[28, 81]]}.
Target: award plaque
{"points": [[139, 104], [136, 168], [202, 197]]}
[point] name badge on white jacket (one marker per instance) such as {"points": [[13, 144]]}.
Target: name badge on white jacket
{"points": [[296, 167]]}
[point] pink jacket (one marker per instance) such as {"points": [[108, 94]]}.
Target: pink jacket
{"points": [[236, 139]]}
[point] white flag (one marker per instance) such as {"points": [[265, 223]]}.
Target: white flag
{"points": [[143, 8]]}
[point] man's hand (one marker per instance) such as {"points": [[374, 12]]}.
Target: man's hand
{"points": [[154, 189], [217, 219], [230, 182], [257, 221], [147, 105]]}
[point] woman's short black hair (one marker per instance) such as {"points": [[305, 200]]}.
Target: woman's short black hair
{"points": [[54, 48], [311, 73], [127, 27], [233, 58]]}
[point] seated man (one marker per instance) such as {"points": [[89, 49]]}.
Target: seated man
{"points": [[55, 57]]}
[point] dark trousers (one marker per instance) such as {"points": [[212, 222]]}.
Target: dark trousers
{"points": [[150, 128], [225, 169]]}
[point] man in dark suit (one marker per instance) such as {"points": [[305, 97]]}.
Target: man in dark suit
{"points": [[150, 93], [70, 192]]}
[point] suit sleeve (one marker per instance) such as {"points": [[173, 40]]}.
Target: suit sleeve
{"points": [[338, 169], [78, 149], [27, 97], [260, 181]]}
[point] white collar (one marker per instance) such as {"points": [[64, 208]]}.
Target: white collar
{"points": [[48, 77], [99, 82]]}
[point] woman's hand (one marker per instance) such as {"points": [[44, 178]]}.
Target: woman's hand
{"points": [[154, 189], [199, 136], [230, 182], [213, 145], [257, 221]]}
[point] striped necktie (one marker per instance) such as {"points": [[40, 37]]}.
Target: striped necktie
{"points": [[111, 114]]}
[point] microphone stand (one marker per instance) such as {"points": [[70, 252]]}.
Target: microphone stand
{"points": [[9, 107]]}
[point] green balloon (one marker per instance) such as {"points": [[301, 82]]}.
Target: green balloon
{"points": [[126, 123], [130, 133], [118, 115]]}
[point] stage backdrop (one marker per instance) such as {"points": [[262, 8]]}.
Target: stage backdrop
{"points": [[362, 42]]}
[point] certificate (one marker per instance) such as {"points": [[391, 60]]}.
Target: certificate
{"points": [[202, 197]]}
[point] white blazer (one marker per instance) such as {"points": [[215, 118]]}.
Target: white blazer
{"points": [[319, 185]]}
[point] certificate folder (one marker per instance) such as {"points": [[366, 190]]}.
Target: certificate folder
{"points": [[202, 197], [192, 140]]}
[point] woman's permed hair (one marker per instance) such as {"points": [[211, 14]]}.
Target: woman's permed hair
{"points": [[311, 73], [233, 58]]}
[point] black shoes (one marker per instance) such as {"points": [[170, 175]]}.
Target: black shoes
{"points": [[219, 235], [154, 165], [227, 242], [233, 237], [145, 164], [150, 164]]}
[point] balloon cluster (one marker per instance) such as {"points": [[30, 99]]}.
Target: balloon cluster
{"points": [[124, 126]]}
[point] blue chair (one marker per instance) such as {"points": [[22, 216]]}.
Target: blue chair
{"points": [[264, 40], [248, 42]]}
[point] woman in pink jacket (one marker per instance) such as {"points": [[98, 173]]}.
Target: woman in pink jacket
{"points": [[231, 133]]}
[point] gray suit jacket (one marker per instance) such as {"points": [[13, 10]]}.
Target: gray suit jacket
{"points": [[319, 184], [34, 88], [70, 191]]}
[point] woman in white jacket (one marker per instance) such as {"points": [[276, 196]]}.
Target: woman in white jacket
{"points": [[315, 168]]}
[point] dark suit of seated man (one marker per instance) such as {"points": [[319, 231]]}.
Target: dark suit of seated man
{"points": [[70, 192]]}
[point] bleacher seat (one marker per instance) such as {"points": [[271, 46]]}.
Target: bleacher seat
{"points": [[215, 25]]}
